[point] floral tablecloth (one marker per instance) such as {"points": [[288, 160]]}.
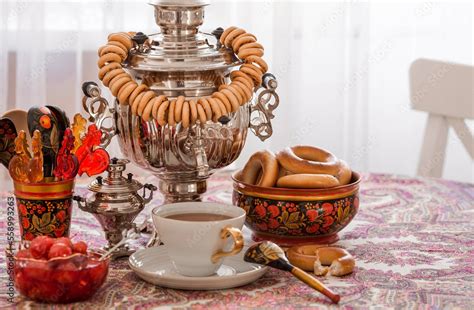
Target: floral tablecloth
{"points": [[413, 240]]}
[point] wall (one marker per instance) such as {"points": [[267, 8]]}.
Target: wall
{"points": [[342, 67]]}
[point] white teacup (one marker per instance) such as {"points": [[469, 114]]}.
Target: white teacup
{"points": [[196, 241]]}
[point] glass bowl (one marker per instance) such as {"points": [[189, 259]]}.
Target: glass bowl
{"points": [[58, 280]]}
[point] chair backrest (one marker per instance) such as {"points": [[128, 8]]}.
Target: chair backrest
{"points": [[446, 91], [442, 88]]}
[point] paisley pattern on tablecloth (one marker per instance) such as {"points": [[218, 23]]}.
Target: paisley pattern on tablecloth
{"points": [[413, 240]]}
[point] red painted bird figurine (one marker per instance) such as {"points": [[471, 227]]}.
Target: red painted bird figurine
{"points": [[67, 164], [92, 159]]}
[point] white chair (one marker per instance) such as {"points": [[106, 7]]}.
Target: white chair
{"points": [[446, 91]]}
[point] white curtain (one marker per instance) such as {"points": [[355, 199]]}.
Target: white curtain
{"points": [[342, 67]]}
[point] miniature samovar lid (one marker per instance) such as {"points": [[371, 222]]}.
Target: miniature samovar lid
{"points": [[115, 182]]}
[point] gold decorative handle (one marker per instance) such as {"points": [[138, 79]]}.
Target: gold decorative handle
{"points": [[316, 284], [236, 234]]}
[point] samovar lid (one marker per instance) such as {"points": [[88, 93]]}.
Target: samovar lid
{"points": [[180, 48], [115, 182]]}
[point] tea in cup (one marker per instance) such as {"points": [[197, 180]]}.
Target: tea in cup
{"points": [[196, 234]]}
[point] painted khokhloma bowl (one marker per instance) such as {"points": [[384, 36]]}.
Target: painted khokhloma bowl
{"points": [[291, 217]]}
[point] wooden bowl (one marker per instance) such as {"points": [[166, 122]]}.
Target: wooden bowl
{"points": [[291, 217]]}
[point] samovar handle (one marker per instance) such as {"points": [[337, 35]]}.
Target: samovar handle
{"points": [[261, 112], [99, 111], [82, 203], [151, 188]]}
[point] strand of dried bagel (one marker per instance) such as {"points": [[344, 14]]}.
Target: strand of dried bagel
{"points": [[145, 103]]}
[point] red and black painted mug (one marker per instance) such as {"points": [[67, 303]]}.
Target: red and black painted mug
{"points": [[44, 208]]}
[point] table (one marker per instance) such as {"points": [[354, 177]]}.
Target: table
{"points": [[413, 240]]}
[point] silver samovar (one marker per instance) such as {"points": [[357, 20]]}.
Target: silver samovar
{"points": [[115, 202], [181, 60]]}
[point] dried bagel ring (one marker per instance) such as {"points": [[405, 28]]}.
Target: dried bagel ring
{"points": [[201, 113], [178, 108], [244, 53], [185, 117], [253, 67], [259, 61], [216, 111], [122, 38], [140, 89], [113, 49], [108, 58], [162, 113], [238, 73], [307, 180], [261, 169], [171, 121], [316, 257], [236, 93], [224, 100], [308, 159], [116, 78], [232, 35], [340, 262], [225, 33], [241, 40], [125, 92], [244, 88], [251, 45], [220, 104], [156, 105], [109, 67], [136, 102], [240, 88], [110, 75], [344, 175], [116, 85], [147, 112], [233, 100], [255, 75], [247, 82], [193, 110], [144, 101], [118, 44], [207, 108]]}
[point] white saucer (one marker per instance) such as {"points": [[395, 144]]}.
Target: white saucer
{"points": [[154, 265]]}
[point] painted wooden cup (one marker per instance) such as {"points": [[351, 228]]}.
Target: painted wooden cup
{"points": [[291, 217], [44, 208]]}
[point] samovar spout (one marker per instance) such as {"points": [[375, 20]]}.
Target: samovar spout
{"points": [[198, 143]]}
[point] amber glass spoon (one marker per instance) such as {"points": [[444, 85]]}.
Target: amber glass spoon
{"points": [[269, 254]]}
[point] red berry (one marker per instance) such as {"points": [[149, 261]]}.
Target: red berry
{"points": [[59, 250], [80, 247], [65, 274], [25, 253], [40, 246], [37, 270], [65, 241]]}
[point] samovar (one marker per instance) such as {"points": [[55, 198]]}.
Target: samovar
{"points": [[182, 60], [115, 202]]}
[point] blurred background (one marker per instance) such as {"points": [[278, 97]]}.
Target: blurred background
{"points": [[342, 67]]}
